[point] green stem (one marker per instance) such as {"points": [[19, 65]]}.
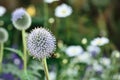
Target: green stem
{"points": [[45, 14], [45, 68], [24, 50], [1, 55], [56, 29]]}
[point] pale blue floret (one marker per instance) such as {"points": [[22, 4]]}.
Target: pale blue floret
{"points": [[18, 14]]}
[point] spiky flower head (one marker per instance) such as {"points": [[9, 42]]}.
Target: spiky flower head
{"points": [[41, 43], [21, 19], [3, 35]]}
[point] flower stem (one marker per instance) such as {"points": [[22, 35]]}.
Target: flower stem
{"points": [[1, 55], [45, 68], [24, 50], [45, 14]]}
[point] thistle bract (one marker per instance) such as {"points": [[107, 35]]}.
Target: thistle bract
{"points": [[3, 35], [40, 43], [21, 19]]}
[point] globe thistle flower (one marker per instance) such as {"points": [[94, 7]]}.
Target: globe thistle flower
{"points": [[74, 50], [3, 35], [63, 10], [50, 1], [40, 43], [21, 19], [2, 10]]}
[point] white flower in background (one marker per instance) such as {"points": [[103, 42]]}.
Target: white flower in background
{"points": [[105, 61], [52, 75], [50, 1], [85, 58], [72, 71], [74, 50], [2, 10], [100, 41], [51, 20], [97, 67], [63, 10], [116, 54], [93, 50], [93, 78], [116, 77]]}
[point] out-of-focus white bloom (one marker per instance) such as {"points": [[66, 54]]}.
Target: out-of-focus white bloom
{"points": [[84, 41], [93, 78], [93, 50], [105, 61], [100, 41], [2, 10], [72, 71], [116, 54], [52, 75], [85, 58], [50, 1], [63, 10], [74, 50], [51, 20], [116, 77], [97, 67]]}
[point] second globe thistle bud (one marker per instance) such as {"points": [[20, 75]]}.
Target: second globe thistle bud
{"points": [[40, 43], [3, 35], [21, 19]]}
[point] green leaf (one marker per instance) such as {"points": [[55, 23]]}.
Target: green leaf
{"points": [[18, 52]]}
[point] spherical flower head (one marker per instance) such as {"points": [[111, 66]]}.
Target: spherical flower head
{"points": [[100, 41], [50, 1], [21, 19], [40, 43], [3, 35], [63, 10], [74, 50], [2, 10]]}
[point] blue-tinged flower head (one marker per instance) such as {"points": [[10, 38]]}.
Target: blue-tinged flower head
{"points": [[41, 43], [18, 14], [21, 19], [93, 50], [3, 35]]}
